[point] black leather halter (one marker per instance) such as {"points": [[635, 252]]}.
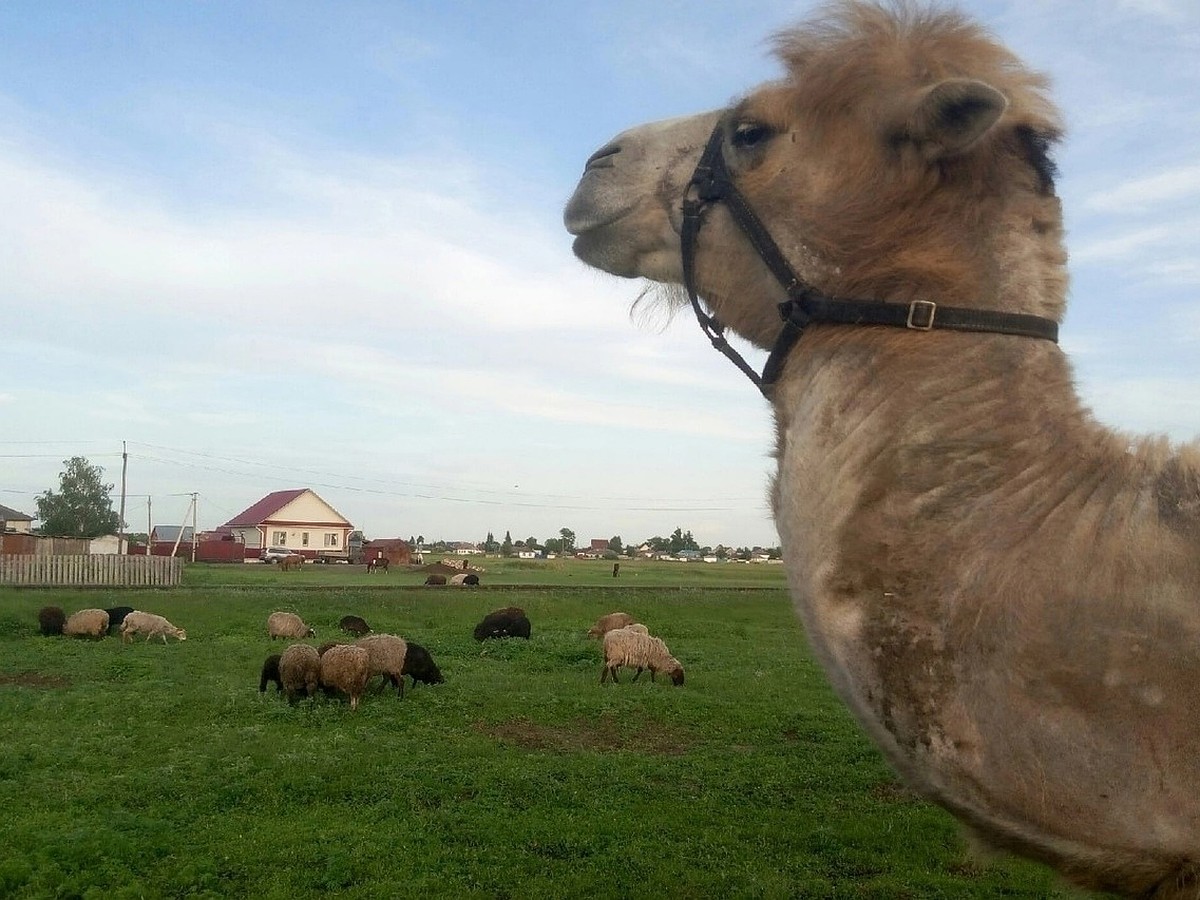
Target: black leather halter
{"points": [[712, 182]]}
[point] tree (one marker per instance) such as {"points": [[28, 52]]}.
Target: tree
{"points": [[552, 545], [83, 508], [506, 548], [531, 543], [490, 545], [615, 545], [568, 539]]}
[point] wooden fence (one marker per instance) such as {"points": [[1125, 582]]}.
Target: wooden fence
{"points": [[108, 570]]}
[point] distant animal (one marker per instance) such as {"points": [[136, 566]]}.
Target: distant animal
{"points": [[436, 579], [354, 625], [420, 665], [51, 620], [471, 580], [270, 672], [345, 668], [633, 647], [378, 563], [616, 569], [300, 671], [116, 615], [87, 623], [288, 625], [151, 625], [508, 622], [295, 561], [607, 623]]}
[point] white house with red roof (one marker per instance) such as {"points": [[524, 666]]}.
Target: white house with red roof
{"points": [[298, 520]]}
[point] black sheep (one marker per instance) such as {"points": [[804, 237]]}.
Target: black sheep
{"points": [[51, 620], [354, 625], [270, 672], [472, 580], [508, 622], [420, 665], [116, 616], [436, 579]]}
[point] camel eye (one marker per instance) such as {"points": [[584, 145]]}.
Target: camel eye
{"points": [[748, 135]]}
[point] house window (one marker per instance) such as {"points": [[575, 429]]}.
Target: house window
{"points": [[304, 539], [331, 540], [279, 538]]}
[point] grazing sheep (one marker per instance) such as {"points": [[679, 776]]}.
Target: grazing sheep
{"points": [[116, 615], [387, 653], [299, 671], [465, 579], [288, 625], [420, 665], [87, 623], [138, 622], [270, 672], [436, 579], [607, 623], [472, 580], [354, 625], [633, 647], [508, 622], [346, 668], [51, 620]]}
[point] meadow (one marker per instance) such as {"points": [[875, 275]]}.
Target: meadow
{"points": [[160, 771]]}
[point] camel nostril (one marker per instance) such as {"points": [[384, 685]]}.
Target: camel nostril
{"points": [[603, 156]]}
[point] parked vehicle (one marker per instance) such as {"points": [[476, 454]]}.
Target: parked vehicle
{"points": [[275, 554]]}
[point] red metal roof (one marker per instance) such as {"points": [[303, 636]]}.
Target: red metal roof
{"points": [[264, 508]]}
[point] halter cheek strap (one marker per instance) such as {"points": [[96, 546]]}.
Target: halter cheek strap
{"points": [[711, 183]]}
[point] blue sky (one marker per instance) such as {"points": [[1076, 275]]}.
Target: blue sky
{"points": [[277, 245]]}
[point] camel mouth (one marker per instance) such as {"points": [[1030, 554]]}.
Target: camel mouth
{"points": [[587, 210]]}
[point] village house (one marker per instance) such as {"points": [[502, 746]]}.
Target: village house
{"points": [[297, 520]]}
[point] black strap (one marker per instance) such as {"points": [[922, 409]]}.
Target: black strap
{"points": [[712, 182]]}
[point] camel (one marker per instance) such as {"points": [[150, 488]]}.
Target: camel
{"points": [[1005, 593]]}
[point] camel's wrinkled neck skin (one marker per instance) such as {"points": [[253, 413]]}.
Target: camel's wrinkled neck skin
{"points": [[1005, 593]]}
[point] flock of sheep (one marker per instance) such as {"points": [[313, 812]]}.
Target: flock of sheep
{"points": [[336, 668]]}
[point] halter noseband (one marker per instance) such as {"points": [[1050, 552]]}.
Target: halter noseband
{"points": [[711, 183]]}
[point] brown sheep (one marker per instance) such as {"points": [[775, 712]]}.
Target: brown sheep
{"points": [[345, 668], [288, 625], [607, 623], [300, 671], [91, 623]]}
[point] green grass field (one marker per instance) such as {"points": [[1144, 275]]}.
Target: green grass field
{"points": [[152, 771]]}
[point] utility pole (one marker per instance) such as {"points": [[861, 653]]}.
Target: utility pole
{"points": [[149, 525], [121, 524], [193, 526]]}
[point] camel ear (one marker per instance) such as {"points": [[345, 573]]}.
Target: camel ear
{"points": [[953, 114]]}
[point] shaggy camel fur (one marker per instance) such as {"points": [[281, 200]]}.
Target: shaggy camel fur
{"points": [[1005, 593]]}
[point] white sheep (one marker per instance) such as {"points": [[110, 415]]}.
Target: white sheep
{"points": [[345, 668], [299, 671], [151, 625], [87, 623], [287, 625], [387, 654], [633, 646]]}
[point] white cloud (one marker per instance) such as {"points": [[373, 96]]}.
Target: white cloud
{"points": [[1143, 194], [1158, 405]]}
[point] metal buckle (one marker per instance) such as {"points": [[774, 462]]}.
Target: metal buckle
{"points": [[924, 304]]}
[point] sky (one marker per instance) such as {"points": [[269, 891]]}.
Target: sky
{"points": [[272, 245]]}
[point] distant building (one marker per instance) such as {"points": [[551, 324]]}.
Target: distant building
{"points": [[14, 522], [170, 533]]}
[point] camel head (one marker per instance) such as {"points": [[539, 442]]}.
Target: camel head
{"points": [[903, 156]]}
